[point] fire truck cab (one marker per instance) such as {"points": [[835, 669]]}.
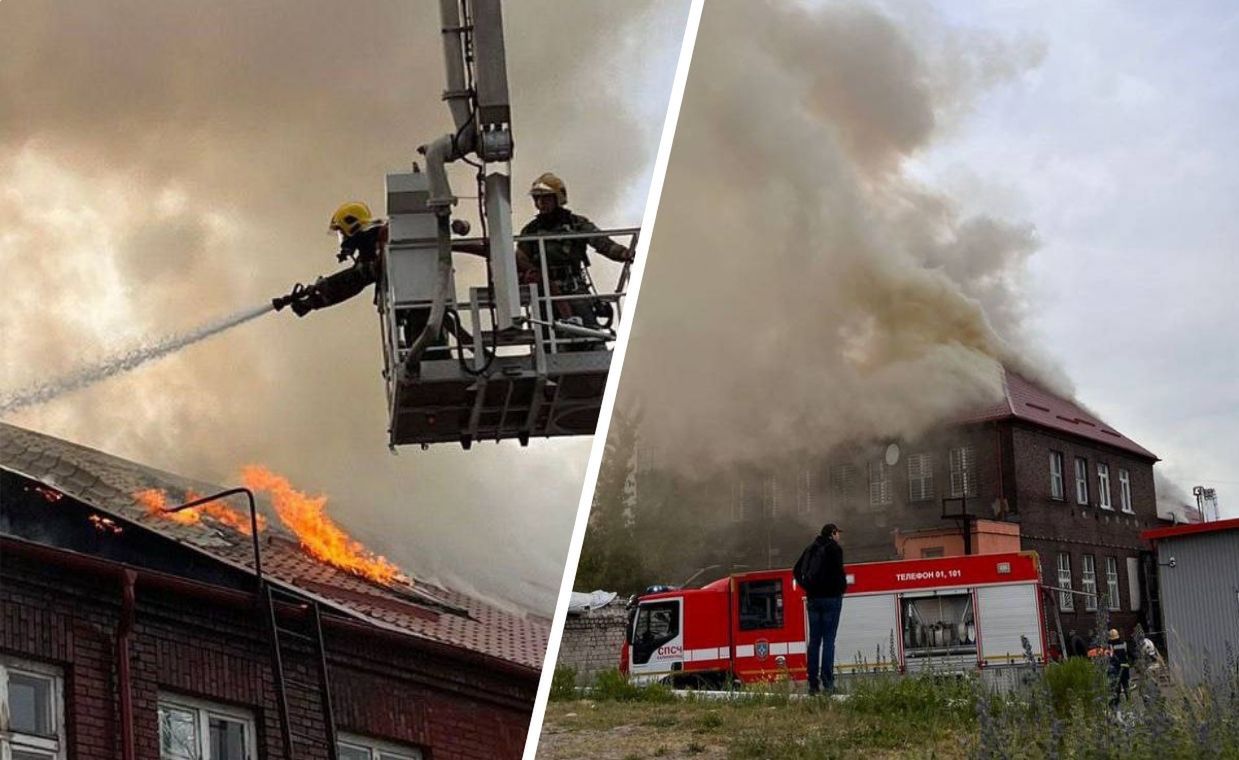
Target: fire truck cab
{"points": [[949, 615]]}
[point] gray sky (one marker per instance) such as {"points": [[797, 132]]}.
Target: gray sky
{"points": [[1120, 147], [163, 163]]}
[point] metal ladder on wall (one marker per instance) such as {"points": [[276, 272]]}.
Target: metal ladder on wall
{"points": [[311, 636]]}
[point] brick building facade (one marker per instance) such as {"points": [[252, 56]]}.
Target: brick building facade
{"points": [[126, 636], [1017, 463]]}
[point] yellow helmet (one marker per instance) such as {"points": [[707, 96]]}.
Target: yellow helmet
{"points": [[350, 218], [549, 184]]}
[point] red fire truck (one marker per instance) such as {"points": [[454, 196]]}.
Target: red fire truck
{"points": [[948, 614]]}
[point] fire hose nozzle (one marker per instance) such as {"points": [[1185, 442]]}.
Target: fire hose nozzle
{"points": [[298, 292]]}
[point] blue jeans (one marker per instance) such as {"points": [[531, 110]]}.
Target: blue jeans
{"points": [[823, 625]]}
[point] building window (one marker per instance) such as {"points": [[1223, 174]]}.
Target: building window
{"points": [[351, 747], [963, 471], [804, 498], [1125, 491], [770, 496], [933, 552], [1103, 486], [761, 604], [31, 695], [1081, 481], [1088, 581], [1056, 476], [841, 480], [190, 729], [879, 484], [1112, 584], [920, 477], [1066, 601]]}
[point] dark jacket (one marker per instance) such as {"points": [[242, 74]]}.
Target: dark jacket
{"points": [[830, 579], [564, 258]]}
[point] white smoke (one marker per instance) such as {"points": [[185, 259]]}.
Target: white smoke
{"points": [[803, 288]]}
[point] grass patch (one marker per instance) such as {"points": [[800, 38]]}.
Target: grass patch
{"points": [[1062, 712], [613, 686]]}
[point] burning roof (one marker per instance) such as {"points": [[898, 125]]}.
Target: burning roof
{"points": [[356, 584], [1027, 401]]}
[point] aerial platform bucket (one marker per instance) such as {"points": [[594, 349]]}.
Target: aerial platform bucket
{"points": [[474, 382]]}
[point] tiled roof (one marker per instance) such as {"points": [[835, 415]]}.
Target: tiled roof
{"points": [[418, 609], [1030, 402]]}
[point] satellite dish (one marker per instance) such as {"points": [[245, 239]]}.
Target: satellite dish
{"points": [[892, 455]]}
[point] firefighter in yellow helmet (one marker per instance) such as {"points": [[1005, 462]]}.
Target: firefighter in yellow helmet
{"points": [[566, 260], [362, 239]]}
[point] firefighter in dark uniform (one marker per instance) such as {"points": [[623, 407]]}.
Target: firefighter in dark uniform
{"points": [[362, 238], [1119, 667], [566, 260]]}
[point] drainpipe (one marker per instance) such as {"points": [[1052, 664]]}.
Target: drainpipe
{"points": [[1001, 490], [124, 630]]}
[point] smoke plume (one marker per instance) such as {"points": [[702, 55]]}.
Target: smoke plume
{"points": [[163, 163], [803, 287]]}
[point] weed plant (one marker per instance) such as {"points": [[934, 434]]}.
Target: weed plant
{"points": [[1062, 710], [563, 683]]}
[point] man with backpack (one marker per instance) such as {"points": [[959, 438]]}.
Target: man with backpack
{"points": [[819, 571]]}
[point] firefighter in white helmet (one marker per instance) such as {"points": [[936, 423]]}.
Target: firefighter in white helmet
{"points": [[566, 260], [362, 239]]}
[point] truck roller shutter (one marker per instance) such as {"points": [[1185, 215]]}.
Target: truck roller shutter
{"points": [[865, 628], [1006, 613]]}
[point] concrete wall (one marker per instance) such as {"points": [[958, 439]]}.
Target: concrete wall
{"points": [[1200, 601], [988, 537], [591, 642]]}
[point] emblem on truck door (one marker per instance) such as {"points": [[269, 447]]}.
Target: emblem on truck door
{"points": [[761, 649]]}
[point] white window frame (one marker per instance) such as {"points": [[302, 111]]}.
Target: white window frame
{"points": [[879, 486], [1058, 487], [1103, 486], [1112, 584], [1081, 481], [1088, 581], [203, 712], [1125, 491], [51, 745], [804, 501], [920, 477], [840, 478], [385, 750], [1066, 601], [963, 471], [770, 496]]}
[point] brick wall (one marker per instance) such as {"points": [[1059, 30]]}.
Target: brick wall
{"points": [[591, 642], [1050, 526], [407, 695]]}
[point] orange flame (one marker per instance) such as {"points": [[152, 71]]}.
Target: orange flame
{"points": [[156, 501], [319, 535]]}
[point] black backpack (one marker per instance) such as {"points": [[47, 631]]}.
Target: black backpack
{"points": [[810, 566]]}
